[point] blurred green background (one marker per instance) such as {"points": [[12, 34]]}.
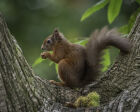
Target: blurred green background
{"points": [[30, 21]]}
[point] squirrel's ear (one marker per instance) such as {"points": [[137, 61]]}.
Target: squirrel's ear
{"points": [[56, 30], [56, 34]]}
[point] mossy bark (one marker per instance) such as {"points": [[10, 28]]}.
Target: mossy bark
{"points": [[21, 90]]}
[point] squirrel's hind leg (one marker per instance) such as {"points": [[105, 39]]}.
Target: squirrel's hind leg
{"points": [[68, 74]]}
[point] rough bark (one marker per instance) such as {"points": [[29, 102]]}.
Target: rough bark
{"points": [[21, 90]]}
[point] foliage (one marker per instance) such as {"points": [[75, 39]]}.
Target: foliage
{"points": [[91, 100], [37, 61], [125, 29], [106, 60], [138, 1], [82, 42], [113, 9], [94, 8]]}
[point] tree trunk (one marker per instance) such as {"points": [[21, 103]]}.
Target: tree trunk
{"points": [[22, 91]]}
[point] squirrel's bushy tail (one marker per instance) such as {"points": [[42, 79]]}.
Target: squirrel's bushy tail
{"points": [[98, 41]]}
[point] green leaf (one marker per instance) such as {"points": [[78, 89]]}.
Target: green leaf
{"points": [[114, 9], [138, 1], [106, 60], [133, 18], [51, 63], [127, 28], [94, 8], [124, 29], [82, 42], [56, 68], [37, 61]]}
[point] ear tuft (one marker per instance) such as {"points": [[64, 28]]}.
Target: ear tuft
{"points": [[56, 34], [56, 30]]}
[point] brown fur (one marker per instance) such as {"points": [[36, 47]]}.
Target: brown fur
{"points": [[78, 65]]}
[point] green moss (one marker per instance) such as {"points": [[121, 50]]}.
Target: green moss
{"points": [[94, 96], [81, 101], [91, 100]]}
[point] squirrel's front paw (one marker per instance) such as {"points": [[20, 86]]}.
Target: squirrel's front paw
{"points": [[44, 55]]}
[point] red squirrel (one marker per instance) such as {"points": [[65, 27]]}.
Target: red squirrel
{"points": [[79, 65]]}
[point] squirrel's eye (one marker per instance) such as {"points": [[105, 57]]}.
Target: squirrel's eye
{"points": [[48, 41]]}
